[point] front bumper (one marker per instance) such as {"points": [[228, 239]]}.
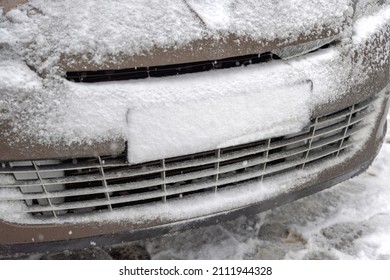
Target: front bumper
{"points": [[190, 211], [57, 233]]}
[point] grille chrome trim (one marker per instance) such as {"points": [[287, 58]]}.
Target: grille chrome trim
{"points": [[105, 183]]}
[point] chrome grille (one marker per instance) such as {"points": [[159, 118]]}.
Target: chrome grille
{"points": [[83, 185]]}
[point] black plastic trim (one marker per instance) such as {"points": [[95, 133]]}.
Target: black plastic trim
{"points": [[168, 70]]}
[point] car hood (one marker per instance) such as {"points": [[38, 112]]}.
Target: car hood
{"points": [[100, 34]]}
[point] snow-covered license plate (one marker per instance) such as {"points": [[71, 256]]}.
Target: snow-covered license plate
{"points": [[182, 128]]}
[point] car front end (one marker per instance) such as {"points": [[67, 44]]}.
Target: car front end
{"points": [[122, 122]]}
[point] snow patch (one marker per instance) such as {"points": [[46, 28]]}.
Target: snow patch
{"points": [[251, 111], [365, 27], [270, 19]]}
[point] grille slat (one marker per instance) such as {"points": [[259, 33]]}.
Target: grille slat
{"points": [[61, 167], [87, 185]]}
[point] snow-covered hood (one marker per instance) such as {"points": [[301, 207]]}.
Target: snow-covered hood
{"points": [[100, 34], [48, 112]]}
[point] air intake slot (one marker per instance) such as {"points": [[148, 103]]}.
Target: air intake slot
{"points": [[168, 70]]}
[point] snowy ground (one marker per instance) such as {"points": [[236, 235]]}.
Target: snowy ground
{"points": [[348, 221]]}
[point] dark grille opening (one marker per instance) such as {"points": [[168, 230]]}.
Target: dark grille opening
{"points": [[133, 179], [33, 202], [168, 70], [191, 193], [182, 159], [89, 197], [79, 211], [239, 148], [83, 185], [135, 203], [89, 171], [181, 171], [244, 160], [279, 162], [135, 191]]}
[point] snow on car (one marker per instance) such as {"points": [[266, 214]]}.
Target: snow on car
{"points": [[128, 120]]}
